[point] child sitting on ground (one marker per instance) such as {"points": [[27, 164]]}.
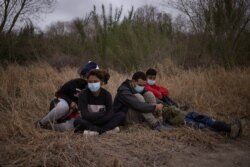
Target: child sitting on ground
{"points": [[160, 92]]}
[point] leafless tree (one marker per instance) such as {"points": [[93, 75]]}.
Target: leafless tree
{"points": [[221, 23], [218, 17], [14, 11]]}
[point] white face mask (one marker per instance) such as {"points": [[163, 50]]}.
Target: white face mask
{"points": [[94, 87], [138, 88], [150, 82]]}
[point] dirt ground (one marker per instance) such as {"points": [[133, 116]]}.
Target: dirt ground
{"points": [[134, 146], [175, 148]]}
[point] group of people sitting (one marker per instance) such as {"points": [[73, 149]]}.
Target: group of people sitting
{"points": [[84, 106]]}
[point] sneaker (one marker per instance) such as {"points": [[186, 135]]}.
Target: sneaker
{"points": [[39, 125], [160, 127], [242, 123], [90, 133], [113, 131], [235, 129]]}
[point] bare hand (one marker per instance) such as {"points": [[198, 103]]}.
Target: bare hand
{"points": [[158, 109], [73, 105]]}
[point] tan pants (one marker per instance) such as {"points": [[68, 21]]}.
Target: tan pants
{"points": [[134, 116]]}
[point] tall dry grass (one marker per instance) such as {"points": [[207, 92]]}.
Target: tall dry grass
{"points": [[25, 93]]}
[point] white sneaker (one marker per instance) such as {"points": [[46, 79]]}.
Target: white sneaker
{"points": [[113, 131], [90, 133]]}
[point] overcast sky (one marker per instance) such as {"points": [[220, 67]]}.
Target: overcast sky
{"points": [[66, 10]]}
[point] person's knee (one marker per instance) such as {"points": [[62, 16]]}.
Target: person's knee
{"points": [[149, 94], [139, 97], [62, 106]]}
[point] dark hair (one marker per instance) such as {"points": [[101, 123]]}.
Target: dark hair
{"points": [[96, 73], [151, 71], [106, 76], [139, 75]]}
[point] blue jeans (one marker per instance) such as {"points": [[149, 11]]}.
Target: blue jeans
{"points": [[198, 120]]}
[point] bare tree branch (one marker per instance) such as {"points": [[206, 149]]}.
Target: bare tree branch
{"points": [[240, 31], [16, 16], [5, 15], [17, 11]]}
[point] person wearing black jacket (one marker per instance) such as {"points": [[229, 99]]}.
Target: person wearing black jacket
{"points": [[95, 106], [63, 109], [137, 102]]}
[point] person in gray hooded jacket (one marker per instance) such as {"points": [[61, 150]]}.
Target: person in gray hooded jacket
{"points": [[138, 103]]}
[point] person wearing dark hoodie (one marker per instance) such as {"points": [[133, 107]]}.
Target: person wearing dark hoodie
{"points": [[95, 106], [133, 99], [63, 109]]}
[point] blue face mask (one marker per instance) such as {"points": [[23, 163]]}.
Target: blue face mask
{"points": [[151, 82], [94, 87], [139, 89]]}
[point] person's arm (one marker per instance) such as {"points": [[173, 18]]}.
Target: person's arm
{"points": [[70, 90], [83, 108], [67, 92], [130, 100], [65, 97], [109, 110], [154, 91], [164, 91]]}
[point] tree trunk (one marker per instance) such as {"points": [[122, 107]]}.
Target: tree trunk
{"points": [[16, 17], [6, 6]]}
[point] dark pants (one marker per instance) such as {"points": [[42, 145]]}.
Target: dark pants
{"points": [[116, 120], [202, 121], [170, 102]]}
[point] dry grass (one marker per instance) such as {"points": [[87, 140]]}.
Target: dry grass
{"points": [[25, 93]]}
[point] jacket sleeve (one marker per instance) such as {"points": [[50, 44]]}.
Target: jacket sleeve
{"points": [[67, 92], [83, 108], [157, 93], [163, 91], [109, 111], [130, 100]]}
